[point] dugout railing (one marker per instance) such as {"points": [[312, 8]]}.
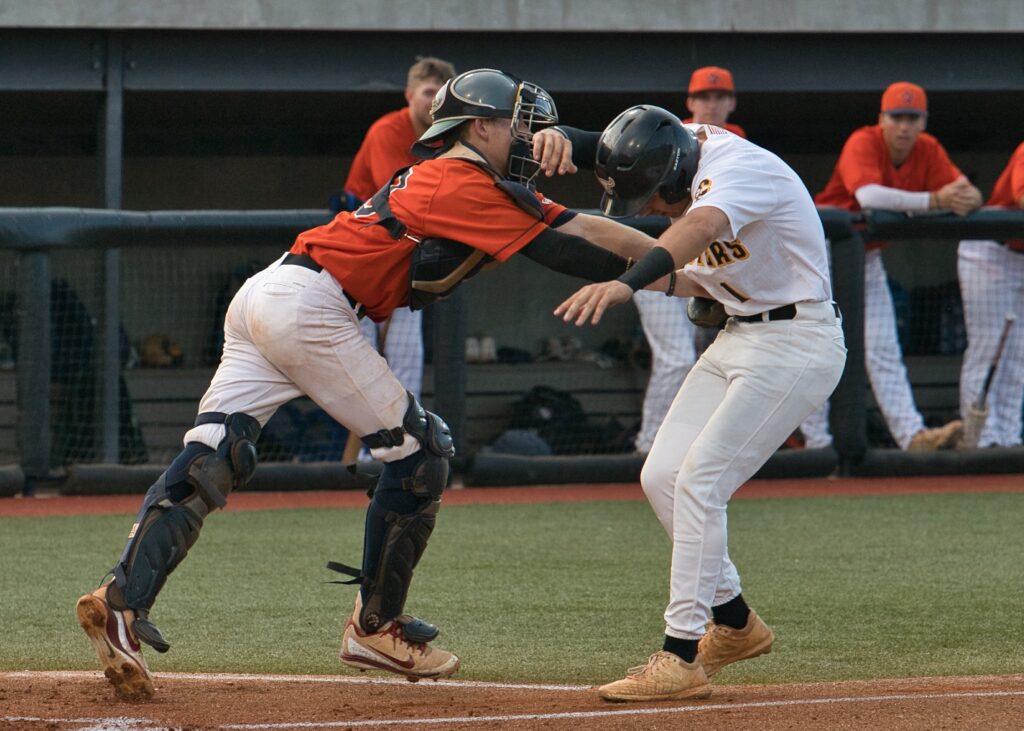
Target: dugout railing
{"points": [[29, 237]]}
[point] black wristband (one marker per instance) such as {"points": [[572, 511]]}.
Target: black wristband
{"points": [[671, 284], [656, 264]]}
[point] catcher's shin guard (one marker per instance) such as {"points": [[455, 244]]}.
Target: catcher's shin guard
{"points": [[197, 482], [400, 519], [405, 539]]}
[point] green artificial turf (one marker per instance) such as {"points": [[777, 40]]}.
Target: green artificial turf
{"points": [[854, 588]]}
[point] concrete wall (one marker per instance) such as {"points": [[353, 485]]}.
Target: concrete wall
{"points": [[924, 16]]}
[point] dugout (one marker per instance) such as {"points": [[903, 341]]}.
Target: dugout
{"points": [[143, 110]]}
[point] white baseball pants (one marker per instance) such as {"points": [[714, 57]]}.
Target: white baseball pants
{"points": [[402, 346], [883, 360], [671, 335], [291, 331], [992, 285], [748, 392]]}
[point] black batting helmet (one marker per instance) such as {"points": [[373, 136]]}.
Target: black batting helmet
{"points": [[491, 94], [645, 150]]}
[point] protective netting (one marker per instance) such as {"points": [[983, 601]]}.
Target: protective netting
{"points": [[172, 309], [170, 337]]}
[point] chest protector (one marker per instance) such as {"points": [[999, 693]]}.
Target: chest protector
{"points": [[439, 265]]}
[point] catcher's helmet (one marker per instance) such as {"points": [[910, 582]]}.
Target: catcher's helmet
{"points": [[493, 94], [645, 150]]}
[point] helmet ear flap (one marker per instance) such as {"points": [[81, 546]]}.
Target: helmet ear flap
{"points": [[684, 166]]}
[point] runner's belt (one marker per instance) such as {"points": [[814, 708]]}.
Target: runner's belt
{"points": [[786, 312]]}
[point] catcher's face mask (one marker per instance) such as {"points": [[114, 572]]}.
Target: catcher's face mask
{"points": [[534, 108]]}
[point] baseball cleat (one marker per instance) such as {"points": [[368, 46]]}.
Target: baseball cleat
{"points": [[110, 631], [665, 677], [389, 650], [722, 645]]}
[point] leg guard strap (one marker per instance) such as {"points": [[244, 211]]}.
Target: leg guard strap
{"points": [[233, 464], [431, 474]]}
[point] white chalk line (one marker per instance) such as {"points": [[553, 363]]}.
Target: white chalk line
{"points": [[141, 724], [341, 679]]}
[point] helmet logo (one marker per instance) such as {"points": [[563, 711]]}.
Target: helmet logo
{"points": [[608, 184], [908, 98], [703, 188], [713, 78]]}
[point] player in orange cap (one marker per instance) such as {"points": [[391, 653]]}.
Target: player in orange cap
{"points": [[893, 165], [711, 98]]}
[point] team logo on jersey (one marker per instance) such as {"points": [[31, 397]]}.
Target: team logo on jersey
{"points": [[608, 184], [703, 188]]}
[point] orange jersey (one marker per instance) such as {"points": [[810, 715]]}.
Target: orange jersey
{"points": [[865, 161], [442, 198], [1009, 189], [734, 128], [384, 151]]}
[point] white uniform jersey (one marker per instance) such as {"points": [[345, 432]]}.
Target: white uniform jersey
{"points": [[775, 252]]}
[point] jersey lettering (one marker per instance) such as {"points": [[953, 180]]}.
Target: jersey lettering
{"points": [[718, 251], [722, 253]]}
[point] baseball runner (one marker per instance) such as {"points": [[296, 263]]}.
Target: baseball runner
{"points": [[898, 166], [711, 98], [385, 149], [745, 230], [293, 329], [991, 277]]}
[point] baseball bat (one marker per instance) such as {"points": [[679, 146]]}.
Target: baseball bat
{"points": [[983, 395], [977, 411]]}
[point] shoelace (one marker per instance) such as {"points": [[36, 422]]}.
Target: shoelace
{"points": [[639, 669], [396, 631]]}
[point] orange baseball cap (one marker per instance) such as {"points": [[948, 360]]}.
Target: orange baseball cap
{"points": [[711, 78], [904, 98]]}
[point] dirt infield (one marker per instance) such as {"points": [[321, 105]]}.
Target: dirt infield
{"points": [[112, 504], [64, 701], [83, 701]]}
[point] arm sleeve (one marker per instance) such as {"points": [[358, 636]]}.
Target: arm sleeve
{"points": [[584, 145], [893, 199], [574, 256]]}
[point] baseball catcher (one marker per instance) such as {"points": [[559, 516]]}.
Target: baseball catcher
{"points": [[293, 329]]}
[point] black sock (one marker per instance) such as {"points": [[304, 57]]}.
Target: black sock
{"points": [[733, 613], [686, 649]]}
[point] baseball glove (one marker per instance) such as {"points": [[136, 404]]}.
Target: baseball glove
{"points": [[706, 312]]}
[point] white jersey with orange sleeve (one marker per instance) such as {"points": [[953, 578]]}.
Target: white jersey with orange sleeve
{"points": [[775, 252]]}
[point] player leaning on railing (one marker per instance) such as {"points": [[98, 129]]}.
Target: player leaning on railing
{"points": [[893, 165]]}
